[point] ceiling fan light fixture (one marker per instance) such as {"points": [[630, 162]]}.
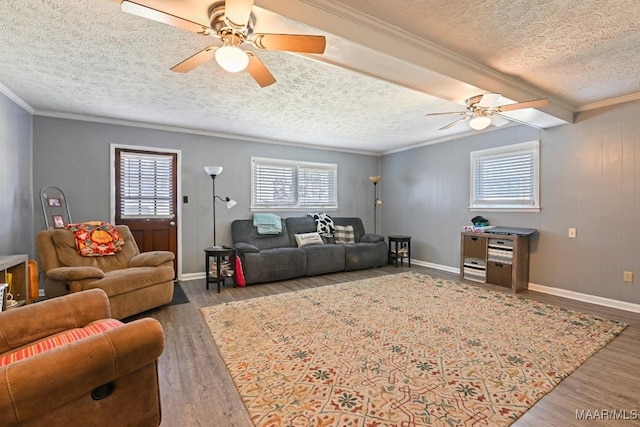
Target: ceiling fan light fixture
{"points": [[232, 58], [480, 122]]}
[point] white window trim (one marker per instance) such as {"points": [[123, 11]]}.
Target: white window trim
{"points": [[294, 208], [532, 146]]}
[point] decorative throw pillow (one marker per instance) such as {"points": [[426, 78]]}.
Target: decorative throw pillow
{"points": [[324, 224], [305, 239], [344, 234], [96, 238]]}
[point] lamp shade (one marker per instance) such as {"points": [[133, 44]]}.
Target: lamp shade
{"points": [[375, 179], [480, 122], [213, 170], [232, 58], [231, 203]]}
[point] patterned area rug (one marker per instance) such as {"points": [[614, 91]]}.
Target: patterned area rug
{"points": [[399, 350]]}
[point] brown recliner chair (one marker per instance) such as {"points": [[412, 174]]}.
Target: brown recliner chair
{"points": [[134, 281], [107, 378]]}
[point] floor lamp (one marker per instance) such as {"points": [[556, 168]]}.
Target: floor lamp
{"points": [[214, 171], [375, 180]]}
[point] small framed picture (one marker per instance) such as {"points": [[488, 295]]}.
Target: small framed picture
{"points": [[54, 202], [58, 221]]}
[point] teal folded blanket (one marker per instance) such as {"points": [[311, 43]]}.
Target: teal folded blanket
{"points": [[267, 223]]}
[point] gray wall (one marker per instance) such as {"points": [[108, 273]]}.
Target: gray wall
{"points": [[16, 203], [590, 179], [74, 156]]}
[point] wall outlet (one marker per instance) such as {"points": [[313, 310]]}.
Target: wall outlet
{"points": [[573, 232], [628, 276]]}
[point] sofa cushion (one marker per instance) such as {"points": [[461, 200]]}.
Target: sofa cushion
{"points": [[281, 264], [306, 239], [299, 225], [365, 255], [323, 259], [119, 282], [67, 253], [59, 340], [242, 230], [344, 234]]}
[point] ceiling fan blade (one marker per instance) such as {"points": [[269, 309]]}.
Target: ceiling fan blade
{"points": [[447, 113], [147, 12], [455, 123], [528, 104], [259, 71], [498, 120], [290, 42], [237, 12], [193, 61], [488, 100]]}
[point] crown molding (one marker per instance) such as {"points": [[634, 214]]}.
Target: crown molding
{"points": [[16, 99], [212, 134], [609, 102]]}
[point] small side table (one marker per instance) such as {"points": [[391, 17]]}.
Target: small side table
{"points": [[219, 253], [401, 250]]}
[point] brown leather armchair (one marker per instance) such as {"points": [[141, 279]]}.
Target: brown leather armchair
{"points": [[108, 378], [134, 281]]}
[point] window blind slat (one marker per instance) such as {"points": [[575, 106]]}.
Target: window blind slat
{"points": [[146, 185], [288, 184], [505, 177]]}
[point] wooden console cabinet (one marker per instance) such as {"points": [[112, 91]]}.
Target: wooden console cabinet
{"points": [[16, 267], [497, 259]]}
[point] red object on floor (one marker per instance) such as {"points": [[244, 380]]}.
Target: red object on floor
{"points": [[239, 274]]}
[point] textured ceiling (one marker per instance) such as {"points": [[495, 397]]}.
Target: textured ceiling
{"points": [[87, 58]]}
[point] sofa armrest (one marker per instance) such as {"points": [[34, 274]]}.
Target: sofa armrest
{"points": [[371, 238], [68, 274], [151, 259], [43, 382], [30, 323], [246, 247]]}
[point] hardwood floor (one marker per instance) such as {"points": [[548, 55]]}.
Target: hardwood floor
{"points": [[196, 389]]}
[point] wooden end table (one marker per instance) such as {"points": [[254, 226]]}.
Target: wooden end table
{"points": [[219, 253], [401, 250]]}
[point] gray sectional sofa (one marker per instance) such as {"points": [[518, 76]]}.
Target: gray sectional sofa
{"points": [[267, 258]]}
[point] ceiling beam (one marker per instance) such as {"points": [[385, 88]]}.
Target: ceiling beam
{"points": [[419, 64]]}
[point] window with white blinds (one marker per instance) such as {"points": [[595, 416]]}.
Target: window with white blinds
{"points": [[146, 185], [286, 184], [506, 178]]}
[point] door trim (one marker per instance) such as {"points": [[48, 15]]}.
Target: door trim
{"points": [[112, 189]]}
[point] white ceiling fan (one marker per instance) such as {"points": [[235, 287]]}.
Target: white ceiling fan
{"points": [[231, 21], [482, 111]]}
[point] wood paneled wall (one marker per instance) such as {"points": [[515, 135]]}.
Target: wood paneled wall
{"points": [[590, 180]]}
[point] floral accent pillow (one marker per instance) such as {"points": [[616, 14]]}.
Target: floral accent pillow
{"points": [[96, 238]]}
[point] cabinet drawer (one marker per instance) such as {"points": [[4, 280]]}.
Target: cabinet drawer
{"points": [[499, 273], [501, 243], [475, 247], [475, 269]]}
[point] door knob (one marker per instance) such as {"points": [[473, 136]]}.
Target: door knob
{"points": [[172, 223]]}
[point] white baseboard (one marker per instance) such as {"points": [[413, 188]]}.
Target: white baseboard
{"points": [[592, 299], [192, 276], [606, 302], [441, 267]]}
